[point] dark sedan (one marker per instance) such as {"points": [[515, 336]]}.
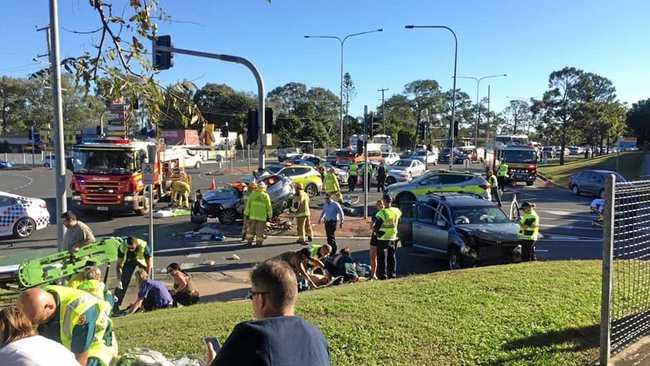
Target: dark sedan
{"points": [[591, 182], [464, 229], [459, 156]]}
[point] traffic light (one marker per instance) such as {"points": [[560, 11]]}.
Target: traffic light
{"points": [[162, 60], [252, 127], [268, 120], [421, 130], [456, 129], [225, 131], [359, 146], [29, 135]]}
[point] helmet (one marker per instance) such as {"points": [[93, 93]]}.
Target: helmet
{"points": [[299, 186]]}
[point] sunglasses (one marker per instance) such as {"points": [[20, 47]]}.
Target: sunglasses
{"points": [[251, 294]]}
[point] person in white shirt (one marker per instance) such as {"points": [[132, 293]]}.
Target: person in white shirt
{"points": [[21, 346]]}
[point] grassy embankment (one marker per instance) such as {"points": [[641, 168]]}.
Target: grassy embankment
{"points": [[543, 313], [629, 164]]}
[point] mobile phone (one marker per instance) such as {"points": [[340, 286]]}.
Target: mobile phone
{"points": [[215, 343]]}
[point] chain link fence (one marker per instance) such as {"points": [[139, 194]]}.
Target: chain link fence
{"points": [[625, 308]]}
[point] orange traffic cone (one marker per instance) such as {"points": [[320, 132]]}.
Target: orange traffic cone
{"points": [[213, 185]]}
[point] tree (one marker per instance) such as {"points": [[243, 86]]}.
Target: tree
{"points": [[285, 99], [638, 119], [349, 91], [220, 103], [13, 106], [518, 114]]}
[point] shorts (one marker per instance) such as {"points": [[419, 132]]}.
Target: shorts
{"points": [[373, 241]]}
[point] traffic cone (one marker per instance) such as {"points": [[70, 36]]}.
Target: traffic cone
{"points": [[213, 185]]}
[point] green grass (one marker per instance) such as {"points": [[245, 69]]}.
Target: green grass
{"points": [[630, 165], [543, 313]]}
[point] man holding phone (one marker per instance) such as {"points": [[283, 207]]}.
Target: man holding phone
{"points": [[277, 336]]}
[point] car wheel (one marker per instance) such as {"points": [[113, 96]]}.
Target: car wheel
{"points": [[575, 190], [405, 197], [311, 189], [454, 259], [530, 183], [24, 227], [197, 165], [390, 180], [228, 217]]}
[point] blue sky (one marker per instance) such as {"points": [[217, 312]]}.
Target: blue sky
{"points": [[525, 39]]}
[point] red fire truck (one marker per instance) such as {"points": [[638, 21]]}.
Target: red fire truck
{"points": [[107, 175]]}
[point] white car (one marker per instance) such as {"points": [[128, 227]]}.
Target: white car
{"points": [[389, 157], [192, 159], [426, 156], [21, 216], [404, 170]]}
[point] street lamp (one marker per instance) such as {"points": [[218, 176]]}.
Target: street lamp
{"points": [[342, 42], [453, 93], [478, 103]]}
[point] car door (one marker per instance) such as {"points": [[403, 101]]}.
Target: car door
{"points": [[427, 185], [424, 228], [440, 232], [7, 215], [587, 181]]}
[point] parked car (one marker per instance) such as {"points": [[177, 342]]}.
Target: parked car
{"points": [[20, 216], [227, 203], [6, 164], [49, 161], [463, 229], [287, 153], [310, 159], [438, 181], [591, 181], [459, 156], [389, 157], [426, 156], [404, 170]]}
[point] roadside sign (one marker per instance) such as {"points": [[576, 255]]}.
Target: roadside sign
{"points": [[147, 173]]}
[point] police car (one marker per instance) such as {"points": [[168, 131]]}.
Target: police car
{"points": [[438, 181], [21, 216]]}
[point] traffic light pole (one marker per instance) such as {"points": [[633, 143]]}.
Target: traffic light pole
{"points": [[260, 88]]}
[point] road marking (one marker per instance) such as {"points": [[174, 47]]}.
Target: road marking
{"points": [[29, 181], [571, 227]]}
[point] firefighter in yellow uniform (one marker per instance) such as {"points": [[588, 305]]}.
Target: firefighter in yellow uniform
{"points": [[73, 318], [251, 187], [181, 193], [528, 231], [385, 227], [303, 214], [259, 211], [493, 183], [331, 185]]}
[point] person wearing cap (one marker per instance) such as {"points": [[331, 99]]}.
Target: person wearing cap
{"points": [[247, 191], [385, 227], [528, 230], [303, 213], [77, 234], [258, 209], [331, 185]]}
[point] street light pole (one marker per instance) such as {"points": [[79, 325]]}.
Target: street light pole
{"points": [[478, 102], [453, 92], [383, 118], [342, 43], [59, 162]]}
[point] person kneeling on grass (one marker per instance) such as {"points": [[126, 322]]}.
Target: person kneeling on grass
{"points": [[303, 263], [152, 294], [184, 292], [277, 336]]}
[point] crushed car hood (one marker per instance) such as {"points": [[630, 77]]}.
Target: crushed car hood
{"points": [[492, 232]]}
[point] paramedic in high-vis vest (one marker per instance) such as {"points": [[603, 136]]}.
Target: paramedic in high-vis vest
{"points": [[73, 318], [385, 227], [133, 254], [528, 231]]}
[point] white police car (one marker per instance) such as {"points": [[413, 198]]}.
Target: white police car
{"points": [[21, 216]]}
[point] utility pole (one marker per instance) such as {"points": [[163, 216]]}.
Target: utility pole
{"points": [[487, 127], [365, 165], [59, 170], [383, 118]]}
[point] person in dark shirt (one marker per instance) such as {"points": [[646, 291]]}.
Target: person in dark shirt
{"points": [[152, 294], [277, 337], [381, 177]]}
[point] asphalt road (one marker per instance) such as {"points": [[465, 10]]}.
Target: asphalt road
{"points": [[565, 219]]}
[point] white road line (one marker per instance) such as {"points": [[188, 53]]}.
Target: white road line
{"points": [[569, 227], [29, 181]]}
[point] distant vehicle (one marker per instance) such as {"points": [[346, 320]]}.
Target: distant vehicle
{"points": [[341, 174], [576, 150], [49, 161], [346, 156], [591, 182], [426, 156], [311, 159], [472, 153], [459, 156], [287, 153], [305, 174], [438, 181], [6, 164], [404, 170], [389, 157], [548, 152], [187, 157], [522, 164], [227, 204], [20, 216], [461, 228], [511, 140]]}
